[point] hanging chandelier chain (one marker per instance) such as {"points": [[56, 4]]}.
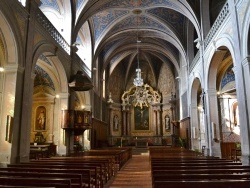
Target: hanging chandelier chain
{"points": [[138, 81], [137, 41]]}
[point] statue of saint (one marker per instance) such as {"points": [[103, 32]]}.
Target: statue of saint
{"points": [[41, 119], [116, 122], [167, 122]]}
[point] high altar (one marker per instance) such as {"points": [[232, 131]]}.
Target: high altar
{"points": [[141, 119]]}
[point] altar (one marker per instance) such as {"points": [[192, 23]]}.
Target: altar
{"points": [[42, 150], [141, 143]]}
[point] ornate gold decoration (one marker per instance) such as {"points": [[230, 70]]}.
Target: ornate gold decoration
{"points": [[140, 96]]}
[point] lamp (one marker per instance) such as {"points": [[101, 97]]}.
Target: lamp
{"points": [[138, 81]]}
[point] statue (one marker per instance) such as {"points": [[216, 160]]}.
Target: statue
{"points": [[167, 122]]}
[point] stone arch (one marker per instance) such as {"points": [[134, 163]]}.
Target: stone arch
{"points": [[53, 96], [8, 43], [10, 61], [217, 62]]}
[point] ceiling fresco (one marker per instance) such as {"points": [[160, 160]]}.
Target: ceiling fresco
{"points": [[42, 78], [160, 25], [103, 19], [171, 18]]}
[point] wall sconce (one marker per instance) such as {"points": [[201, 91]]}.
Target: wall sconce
{"points": [[56, 97], [1, 69]]}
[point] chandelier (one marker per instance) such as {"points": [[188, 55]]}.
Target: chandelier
{"points": [[138, 81], [140, 97]]}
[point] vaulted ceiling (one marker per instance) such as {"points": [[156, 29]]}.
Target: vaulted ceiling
{"points": [[160, 25]]}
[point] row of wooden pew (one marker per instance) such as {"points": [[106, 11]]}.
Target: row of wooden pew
{"points": [[178, 167], [89, 169]]}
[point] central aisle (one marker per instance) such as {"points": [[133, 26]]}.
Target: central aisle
{"points": [[135, 174]]}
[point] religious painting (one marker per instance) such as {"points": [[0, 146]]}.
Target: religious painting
{"points": [[87, 118], [79, 119], [9, 126], [68, 119], [141, 117], [40, 121], [115, 123]]}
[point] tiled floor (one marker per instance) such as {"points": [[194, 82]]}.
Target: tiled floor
{"points": [[135, 174]]}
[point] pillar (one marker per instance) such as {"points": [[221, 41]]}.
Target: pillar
{"points": [[128, 123], [241, 89], [124, 114], [158, 121], [213, 122]]}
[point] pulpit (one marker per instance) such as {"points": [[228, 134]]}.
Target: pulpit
{"points": [[75, 122]]}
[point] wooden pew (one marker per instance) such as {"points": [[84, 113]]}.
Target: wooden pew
{"points": [[203, 176], [102, 172], [86, 174], [44, 182], [76, 179], [178, 167], [203, 184], [196, 164], [121, 155], [200, 171], [97, 176], [108, 163], [16, 186], [102, 163], [154, 167]]}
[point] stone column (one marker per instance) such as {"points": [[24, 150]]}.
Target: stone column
{"points": [[58, 131], [194, 124], [155, 120], [110, 120], [213, 122], [205, 17], [24, 93], [124, 114], [129, 123], [15, 149], [241, 89], [244, 126], [158, 121]]}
